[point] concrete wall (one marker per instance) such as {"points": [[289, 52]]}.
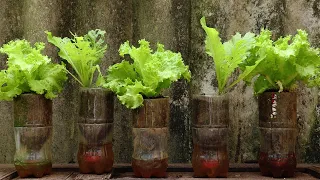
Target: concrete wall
{"points": [[175, 23]]}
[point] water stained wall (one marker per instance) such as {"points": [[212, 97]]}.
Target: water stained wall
{"points": [[175, 23]]}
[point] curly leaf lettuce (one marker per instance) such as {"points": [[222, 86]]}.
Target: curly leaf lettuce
{"points": [[147, 76], [278, 65], [228, 55], [29, 71], [84, 54]]}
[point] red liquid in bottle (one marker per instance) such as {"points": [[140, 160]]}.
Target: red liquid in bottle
{"points": [[96, 159], [277, 166], [206, 166], [32, 169], [150, 168]]}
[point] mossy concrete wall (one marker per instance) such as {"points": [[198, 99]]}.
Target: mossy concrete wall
{"points": [[175, 23]]}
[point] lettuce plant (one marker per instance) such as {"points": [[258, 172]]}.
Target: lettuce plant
{"points": [[83, 53], [228, 55], [148, 74], [279, 65], [29, 71]]}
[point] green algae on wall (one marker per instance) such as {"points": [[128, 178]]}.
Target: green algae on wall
{"points": [[313, 146], [175, 23]]}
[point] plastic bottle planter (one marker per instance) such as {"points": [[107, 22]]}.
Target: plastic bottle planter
{"points": [[95, 153], [278, 122], [150, 136], [33, 135], [210, 119]]}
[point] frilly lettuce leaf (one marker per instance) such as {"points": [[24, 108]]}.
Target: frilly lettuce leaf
{"points": [[83, 53], [49, 79], [280, 64], [228, 55], [29, 71], [147, 76], [9, 85]]}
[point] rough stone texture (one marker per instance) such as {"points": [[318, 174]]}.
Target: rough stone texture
{"points": [[180, 123], [11, 27], [313, 145], [153, 16], [175, 23]]}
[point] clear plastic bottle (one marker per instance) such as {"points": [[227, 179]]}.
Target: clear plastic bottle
{"points": [[95, 158], [95, 154], [33, 151], [33, 135], [150, 136], [210, 152], [277, 121], [210, 117], [277, 152]]}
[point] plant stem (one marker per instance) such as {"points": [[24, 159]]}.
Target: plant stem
{"points": [[270, 81], [75, 78], [280, 86]]}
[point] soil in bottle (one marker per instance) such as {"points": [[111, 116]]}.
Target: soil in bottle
{"points": [[33, 169], [277, 166], [150, 168], [205, 165], [96, 159]]}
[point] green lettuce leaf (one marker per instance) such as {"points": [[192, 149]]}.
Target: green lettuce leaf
{"points": [[148, 74], [280, 64], [132, 98], [83, 53], [228, 55], [9, 85], [29, 71], [49, 79]]}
